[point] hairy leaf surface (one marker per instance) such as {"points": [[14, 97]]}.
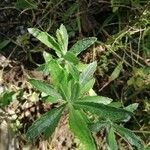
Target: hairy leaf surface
{"points": [[82, 45], [129, 136], [111, 139], [103, 110], [46, 88], [86, 88], [79, 127], [87, 73], [96, 99], [62, 37], [49, 119], [45, 38]]}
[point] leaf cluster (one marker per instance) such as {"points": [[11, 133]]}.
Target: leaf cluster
{"points": [[70, 88]]}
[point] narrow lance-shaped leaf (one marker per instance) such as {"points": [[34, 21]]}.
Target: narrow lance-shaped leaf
{"points": [[129, 136], [116, 72], [111, 139], [103, 110], [96, 99], [82, 45], [4, 43], [46, 88], [86, 88], [62, 37], [59, 78], [73, 71], [64, 92], [79, 127], [75, 91], [56, 72], [87, 73], [45, 38], [49, 119]]}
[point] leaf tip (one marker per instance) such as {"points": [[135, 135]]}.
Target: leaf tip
{"points": [[30, 30]]}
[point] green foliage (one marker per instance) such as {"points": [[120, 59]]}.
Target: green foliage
{"points": [[45, 38], [82, 45], [46, 88], [102, 110], [119, 3], [87, 73], [6, 98], [62, 37], [116, 72], [112, 129], [48, 121], [25, 4], [129, 136], [4, 43], [140, 78], [70, 90], [111, 139], [79, 127], [96, 99]]}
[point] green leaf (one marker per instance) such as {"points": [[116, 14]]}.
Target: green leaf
{"points": [[87, 73], [47, 56], [73, 71], [103, 110], [132, 107], [111, 139], [116, 104], [69, 56], [82, 45], [79, 127], [58, 75], [62, 37], [116, 72], [4, 43], [75, 91], [96, 99], [96, 127], [43, 68], [50, 99], [81, 66], [129, 136], [6, 98], [45, 38], [46, 88], [92, 93], [48, 120], [86, 88], [64, 93], [25, 4]]}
